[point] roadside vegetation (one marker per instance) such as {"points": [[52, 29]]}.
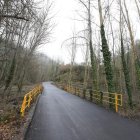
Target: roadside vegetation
{"points": [[110, 48], [25, 25]]}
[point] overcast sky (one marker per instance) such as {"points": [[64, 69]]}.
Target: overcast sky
{"points": [[66, 12]]}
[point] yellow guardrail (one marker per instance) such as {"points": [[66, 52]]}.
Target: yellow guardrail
{"points": [[29, 97], [102, 97], [107, 97]]}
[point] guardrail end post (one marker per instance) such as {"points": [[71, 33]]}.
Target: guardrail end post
{"points": [[116, 102]]}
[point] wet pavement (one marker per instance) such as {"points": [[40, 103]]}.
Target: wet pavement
{"points": [[63, 116]]}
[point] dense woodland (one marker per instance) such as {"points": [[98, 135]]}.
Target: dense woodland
{"points": [[110, 48], [108, 41], [25, 25], [108, 44]]}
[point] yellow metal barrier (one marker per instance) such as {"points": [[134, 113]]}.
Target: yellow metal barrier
{"points": [[111, 98], [104, 97], [29, 97]]}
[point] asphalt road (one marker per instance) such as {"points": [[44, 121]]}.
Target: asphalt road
{"points": [[63, 116]]}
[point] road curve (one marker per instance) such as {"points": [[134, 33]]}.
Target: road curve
{"points": [[63, 116]]}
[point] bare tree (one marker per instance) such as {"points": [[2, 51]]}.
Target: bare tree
{"points": [[124, 64], [87, 6], [26, 27]]}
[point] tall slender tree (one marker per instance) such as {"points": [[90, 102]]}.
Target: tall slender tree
{"points": [[106, 52]]}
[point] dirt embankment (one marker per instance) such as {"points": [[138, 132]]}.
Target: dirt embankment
{"points": [[11, 123]]}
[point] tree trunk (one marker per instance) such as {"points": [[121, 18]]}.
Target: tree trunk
{"points": [[106, 56], [126, 74], [92, 54], [134, 65]]}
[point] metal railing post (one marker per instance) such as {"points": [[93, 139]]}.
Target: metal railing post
{"points": [[29, 100], [23, 106], [116, 102]]}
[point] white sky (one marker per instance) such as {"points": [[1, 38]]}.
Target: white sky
{"points": [[66, 11]]}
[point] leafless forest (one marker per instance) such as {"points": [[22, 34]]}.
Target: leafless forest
{"points": [[24, 27], [109, 42], [109, 46]]}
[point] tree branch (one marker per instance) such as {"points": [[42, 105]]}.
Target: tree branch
{"points": [[13, 16]]}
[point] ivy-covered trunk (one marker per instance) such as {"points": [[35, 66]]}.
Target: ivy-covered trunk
{"points": [[137, 65], [107, 65], [107, 61], [126, 74], [10, 74], [93, 66]]}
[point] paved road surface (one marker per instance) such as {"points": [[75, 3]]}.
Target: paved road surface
{"points": [[62, 116]]}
